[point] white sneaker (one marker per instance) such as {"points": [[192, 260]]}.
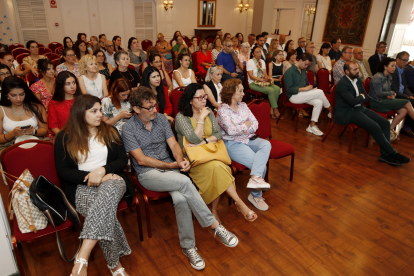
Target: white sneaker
{"points": [[258, 183], [196, 260], [314, 130], [329, 115]]}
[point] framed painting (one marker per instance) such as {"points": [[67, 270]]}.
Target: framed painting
{"points": [[347, 19]]}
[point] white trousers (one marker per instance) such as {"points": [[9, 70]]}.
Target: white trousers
{"points": [[314, 97]]}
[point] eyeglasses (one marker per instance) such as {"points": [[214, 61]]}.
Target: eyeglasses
{"points": [[349, 53], [99, 56], [405, 60], [71, 55], [150, 109], [5, 74], [94, 86], [201, 98]]}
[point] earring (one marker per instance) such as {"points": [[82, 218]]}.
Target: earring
{"points": [[7, 97]]}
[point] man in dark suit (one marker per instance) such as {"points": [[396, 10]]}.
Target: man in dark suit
{"points": [[301, 49], [375, 59], [349, 108], [409, 76], [260, 42]]}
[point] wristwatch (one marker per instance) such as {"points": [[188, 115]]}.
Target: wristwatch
{"points": [[205, 140], [34, 132]]}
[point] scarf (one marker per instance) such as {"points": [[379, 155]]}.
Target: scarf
{"points": [[260, 73]]}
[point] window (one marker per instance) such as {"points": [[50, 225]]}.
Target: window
{"points": [[145, 20]]}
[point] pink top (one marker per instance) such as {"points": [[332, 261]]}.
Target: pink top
{"points": [[39, 88], [232, 123]]}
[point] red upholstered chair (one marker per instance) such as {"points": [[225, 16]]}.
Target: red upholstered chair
{"points": [[131, 67], [147, 195], [385, 115], [41, 45], [322, 77], [352, 126], [187, 41], [59, 50], [175, 97], [199, 76], [310, 76], [19, 51], [287, 103], [145, 44], [56, 61], [20, 57], [43, 51], [30, 78], [52, 56], [40, 160], [15, 46], [255, 93], [54, 45]]}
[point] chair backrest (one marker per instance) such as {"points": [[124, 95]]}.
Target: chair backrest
{"points": [[261, 110], [19, 51], [52, 56], [15, 46], [40, 160], [131, 67], [59, 50], [246, 79], [322, 77], [195, 64], [175, 97], [53, 45], [43, 51], [41, 45], [187, 41], [145, 44], [366, 84], [56, 61], [30, 78], [19, 58], [310, 76]]}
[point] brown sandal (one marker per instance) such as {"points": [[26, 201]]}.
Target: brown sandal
{"points": [[252, 215]]}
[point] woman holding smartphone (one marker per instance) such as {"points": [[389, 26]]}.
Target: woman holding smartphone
{"points": [[21, 113]]}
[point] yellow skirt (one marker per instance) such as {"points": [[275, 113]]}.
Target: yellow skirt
{"points": [[212, 179]]}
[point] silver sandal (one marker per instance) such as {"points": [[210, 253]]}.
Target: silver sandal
{"points": [[81, 261]]}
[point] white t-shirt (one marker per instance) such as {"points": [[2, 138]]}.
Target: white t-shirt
{"points": [[250, 66], [110, 59], [98, 153]]}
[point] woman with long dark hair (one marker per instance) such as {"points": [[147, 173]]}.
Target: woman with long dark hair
{"points": [[66, 90], [117, 43], [90, 159], [152, 79], [67, 43], [21, 113], [45, 87], [155, 60], [80, 49]]}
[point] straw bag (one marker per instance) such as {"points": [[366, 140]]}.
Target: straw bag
{"points": [[205, 153], [29, 217], [263, 83]]}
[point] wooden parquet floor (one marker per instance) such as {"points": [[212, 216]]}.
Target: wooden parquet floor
{"points": [[343, 214]]}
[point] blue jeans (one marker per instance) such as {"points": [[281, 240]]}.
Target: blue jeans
{"points": [[254, 155]]}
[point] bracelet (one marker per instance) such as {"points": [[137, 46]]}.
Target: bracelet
{"points": [[201, 123], [4, 135]]}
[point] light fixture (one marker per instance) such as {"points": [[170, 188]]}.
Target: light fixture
{"points": [[244, 7], [168, 4]]}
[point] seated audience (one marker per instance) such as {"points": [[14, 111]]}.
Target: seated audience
{"points": [[379, 54], [151, 50], [256, 71], [313, 67], [102, 40], [383, 98], [82, 37], [409, 76], [94, 45], [251, 39], [198, 125], [69, 63], [276, 67], [146, 136], [194, 45], [349, 108], [274, 46], [298, 91], [151, 79], [217, 49], [90, 160], [164, 48], [7, 59], [290, 59], [399, 79], [104, 68], [290, 45], [238, 125], [260, 42], [282, 39], [266, 40], [4, 73], [44, 88], [212, 87], [240, 38], [136, 55], [91, 81], [338, 68], [67, 89], [20, 108], [335, 54], [117, 43], [363, 65], [122, 70], [80, 50], [30, 62], [227, 36], [243, 56], [236, 46], [67, 43], [204, 58], [110, 53], [228, 60], [116, 109], [174, 39], [155, 60], [301, 46], [324, 61], [183, 76], [181, 48]]}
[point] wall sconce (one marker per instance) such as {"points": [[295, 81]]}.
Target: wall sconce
{"points": [[168, 4], [310, 10], [244, 7]]}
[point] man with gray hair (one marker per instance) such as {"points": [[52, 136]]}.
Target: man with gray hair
{"points": [[375, 59], [110, 53], [338, 69]]}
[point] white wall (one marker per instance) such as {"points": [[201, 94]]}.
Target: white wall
{"points": [[399, 31]]}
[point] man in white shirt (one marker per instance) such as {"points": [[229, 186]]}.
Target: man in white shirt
{"points": [[110, 53]]}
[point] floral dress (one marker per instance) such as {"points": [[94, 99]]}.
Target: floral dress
{"points": [[168, 63], [31, 62], [109, 110], [39, 88], [63, 67]]}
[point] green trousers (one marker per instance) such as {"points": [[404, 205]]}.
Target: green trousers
{"points": [[272, 91]]}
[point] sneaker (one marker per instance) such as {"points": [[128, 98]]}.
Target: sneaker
{"points": [[314, 130], [401, 158], [258, 183], [195, 259], [226, 237], [258, 202], [329, 115], [389, 159]]}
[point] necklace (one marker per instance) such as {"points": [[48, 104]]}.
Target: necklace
{"points": [[126, 77], [16, 112]]}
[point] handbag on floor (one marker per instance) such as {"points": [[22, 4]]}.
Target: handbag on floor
{"points": [[207, 152], [51, 200]]}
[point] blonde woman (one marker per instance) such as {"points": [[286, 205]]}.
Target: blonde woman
{"points": [[213, 86], [94, 45], [91, 81], [274, 46], [165, 51]]}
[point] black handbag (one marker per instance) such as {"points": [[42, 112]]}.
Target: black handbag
{"points": [[51, 200]]}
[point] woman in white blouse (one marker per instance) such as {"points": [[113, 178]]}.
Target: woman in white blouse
{"points": [[183, 76], [91, 82], [324, 61]]}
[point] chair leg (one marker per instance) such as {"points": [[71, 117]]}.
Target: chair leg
{"points": [[296, 121], [267, 172], [345, 127], [329, 131], [138, 209], [17, 254], [147, 213], [292, 164], [281, 113]]}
